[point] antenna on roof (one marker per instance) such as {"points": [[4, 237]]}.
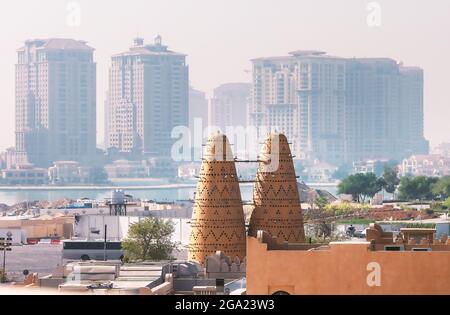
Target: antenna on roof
{"points": [[158, 40]]}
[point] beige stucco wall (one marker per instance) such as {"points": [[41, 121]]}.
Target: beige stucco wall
{"points": [[343, 269], [36, 228]]}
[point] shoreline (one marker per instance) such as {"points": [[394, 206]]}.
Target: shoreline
{"points": [[128, 187], [124, 187]]}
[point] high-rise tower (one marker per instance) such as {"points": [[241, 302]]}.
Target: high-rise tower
{"points": [[276, 198], [148, 97], [217, 217], [55, 101]]}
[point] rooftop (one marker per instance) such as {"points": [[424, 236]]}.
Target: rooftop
{"points": [[299, 54], [155, 49], [57, 44]]}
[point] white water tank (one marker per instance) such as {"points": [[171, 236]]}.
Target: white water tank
{"points": [[117, 197]]}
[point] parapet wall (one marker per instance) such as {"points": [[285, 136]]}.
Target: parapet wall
{"points": [[345, 268]]}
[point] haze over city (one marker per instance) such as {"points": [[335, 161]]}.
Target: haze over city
{"points": [[220, 38], [250, 148]]}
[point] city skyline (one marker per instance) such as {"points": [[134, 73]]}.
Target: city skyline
{"points": [[334, 109], [229, 148], [396, 38]]}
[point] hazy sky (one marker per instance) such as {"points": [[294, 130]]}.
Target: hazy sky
{"points": [[220, 36]]}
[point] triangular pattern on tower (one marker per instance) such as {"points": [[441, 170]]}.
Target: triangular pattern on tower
{"points": [[217, 218], [277, 208]]}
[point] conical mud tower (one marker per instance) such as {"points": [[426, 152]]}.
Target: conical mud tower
{"points": [[277, 204], [217, 216]]}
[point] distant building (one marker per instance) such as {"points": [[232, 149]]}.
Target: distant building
{"points": [[384, 110], [442, 149], [411, 111], [68, 172], [11, 158], [228, 107], [55, 101], [25, 175], [364, 167], [274, 101], [321, 105], [426, 165], [340, 110], [41, 227], [318, 172], [127, 169], [198, 120], [198, 109], [189, 171], [303, 96], [148, 97]]}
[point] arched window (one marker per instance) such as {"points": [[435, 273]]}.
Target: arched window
{"points": [[280, 293]]}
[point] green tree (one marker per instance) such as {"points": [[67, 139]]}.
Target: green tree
{"points": [[446, 203], [420, 187], [442, 187], [321, 202], [361, 186], [390, 178], [149, 239]]}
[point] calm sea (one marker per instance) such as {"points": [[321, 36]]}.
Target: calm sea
{"points": [[153, 192]]}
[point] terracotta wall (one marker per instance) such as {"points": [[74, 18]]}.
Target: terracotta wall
{"points": [[39, 228], [346, 269]]}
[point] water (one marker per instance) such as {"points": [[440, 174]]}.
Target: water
{"points": [[11, 197]]}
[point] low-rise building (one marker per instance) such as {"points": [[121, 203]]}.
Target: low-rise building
{"points": [[426, 165], [318, 172], [189, 171], [35, 228], [368, 166], [127, 169], [25, 174], [10, 158], [68, 172]]}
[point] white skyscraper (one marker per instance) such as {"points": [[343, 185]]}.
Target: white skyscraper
{"points": [[321, 101], [302, 95], [340, 110], [148, 97], [55, 101], [273, 98]]}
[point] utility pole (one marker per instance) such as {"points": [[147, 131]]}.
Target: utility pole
{"points": [[104, 245], [5, 246], [181, 233]]}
